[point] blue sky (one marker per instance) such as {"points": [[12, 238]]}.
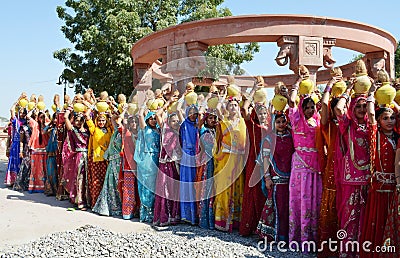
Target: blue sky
{"points": [[30, 33]]}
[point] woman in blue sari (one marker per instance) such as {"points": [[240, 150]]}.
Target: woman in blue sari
{"points": [[146, 156], [189, 135], [50, 186], [14, 160]]}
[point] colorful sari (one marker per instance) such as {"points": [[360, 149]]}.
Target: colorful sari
{"points": [[14, 159], [38, 173], [75, 162], [189, 135], [305, 185], [228, 176], [22, 181], [127, 179], [166, 205], [109, 201], [146, 156], [352, 176], [253, 198], [205, 172], [382, 190], [328, 221], [61, 194], [97, 166], [51, 163], [391, 234], [274, 219]]}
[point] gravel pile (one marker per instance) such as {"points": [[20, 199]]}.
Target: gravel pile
{"points": [[177, 241]]}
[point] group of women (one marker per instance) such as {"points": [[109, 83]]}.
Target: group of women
{"points": [[226, 162]]}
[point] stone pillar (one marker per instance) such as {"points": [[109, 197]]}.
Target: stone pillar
{"points": [[376, 61], [184, 61], [311, 53], [142, 78]]}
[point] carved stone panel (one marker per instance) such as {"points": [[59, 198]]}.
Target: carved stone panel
{"points": [[310, 51]]}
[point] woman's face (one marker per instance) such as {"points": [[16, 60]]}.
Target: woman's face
{"points": [[232, 107], [387, 120], [192, 114], [22, 114], [152, 121], [174, 122], [360, 109], [42, 118], [132, 125], [309, 110], [280, 124], [262, 115], [211, 120], [78, 122], [101, 122]]}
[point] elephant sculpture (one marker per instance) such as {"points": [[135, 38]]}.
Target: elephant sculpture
{"points": [[286, 51], [328, 60]]}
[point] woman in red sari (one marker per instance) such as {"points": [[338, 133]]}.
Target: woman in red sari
{"points": [[354, 173], [127, 179], [382, 190], [37, 143], [253, 199]]}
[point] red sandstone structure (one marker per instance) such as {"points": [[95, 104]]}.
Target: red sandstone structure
{"points": [[301, 40]]}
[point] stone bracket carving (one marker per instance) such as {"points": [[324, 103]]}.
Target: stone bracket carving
{"points": [[143, 76], [288, 51], [328, 60], [376, 61]]}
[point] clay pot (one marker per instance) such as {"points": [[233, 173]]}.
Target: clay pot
{"points": [[362, 84], [338, 89], [23, 103], [191, 98], [260, 96], [306, 87], [132, 108], [212, 103], [279, 102], [41, 105], [385, 94], [79, 108], [102, 106]]}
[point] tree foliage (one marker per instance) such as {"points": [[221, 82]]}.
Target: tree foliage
{"points": [[103, 32]]}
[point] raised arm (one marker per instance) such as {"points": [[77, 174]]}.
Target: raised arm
{"points": [[341, 106], [220, 108], [371, 103], [68, 123], [247, 102], [293, 93], [325, 100]]}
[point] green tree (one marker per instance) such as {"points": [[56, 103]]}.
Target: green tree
{"points": [[103, 32]]}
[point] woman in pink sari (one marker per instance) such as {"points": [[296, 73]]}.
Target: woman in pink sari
{"points": [[166, 204], [353, 173], [305, 185], [75, 159]]}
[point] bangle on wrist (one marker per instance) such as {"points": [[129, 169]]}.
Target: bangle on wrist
{"points": [[328, 88], [371, 98]]}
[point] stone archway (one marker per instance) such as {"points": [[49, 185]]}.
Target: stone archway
{"points": [[302, 40]]}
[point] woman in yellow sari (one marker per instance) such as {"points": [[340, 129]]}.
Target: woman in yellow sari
{"points": [[229, 163]]}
